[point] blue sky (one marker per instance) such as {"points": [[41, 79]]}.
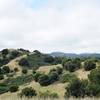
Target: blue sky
{"points": [[50, 25]]}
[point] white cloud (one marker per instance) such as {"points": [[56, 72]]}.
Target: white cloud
{"points": [[58, 25]]}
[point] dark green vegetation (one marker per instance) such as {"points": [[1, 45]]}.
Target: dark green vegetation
{"points": [[37, 59], [7, 55], [28, 92], [64, 73]]}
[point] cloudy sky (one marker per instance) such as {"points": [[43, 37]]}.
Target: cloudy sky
{"points": [[50, 25]]}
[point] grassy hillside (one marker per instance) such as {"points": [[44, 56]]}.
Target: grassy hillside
{"points": [[36, 75]]}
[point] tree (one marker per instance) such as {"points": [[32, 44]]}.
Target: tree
{"points": [[94, 76], [49, 59], [93, 90], [53, 77], [77, 88], [13, 88], [6, 69], [59, 70], [70, 66], [89, 65], [23, 62], [5, 51], [24, 71], [36, 76], [44, 80], [14, 54], [28, 92], [67, 78], [16, 69]]}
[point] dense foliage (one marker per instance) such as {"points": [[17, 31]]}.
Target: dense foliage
{"points": [[71, 65], [28, 92], [89, 65]]}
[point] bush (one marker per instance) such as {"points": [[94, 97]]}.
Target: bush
{"points": [[14, 54], [6, 69], [5, 51], [94, 76], [44, 80], [77, 88], [70, 66], [59, 70], [13, 88], [58, 60], [49, 59], [36, 76], [23, 62], [24, 71], [28, 92], [15, 69], [89, 65], [53, 77], [1, 77], [93, 90], [64, 60], [67, 78]]}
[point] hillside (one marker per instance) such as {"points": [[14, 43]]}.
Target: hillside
{"points": [[48, 76]]}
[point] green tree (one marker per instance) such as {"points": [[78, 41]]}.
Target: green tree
{"points": [[94, 76], [44, 80], [89, 65], [6, 69], [77, 88], [28, 92], [53, 77]]}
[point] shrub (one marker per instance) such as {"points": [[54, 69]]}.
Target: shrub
{"points": [[36, 76], [59, 70], [89, 65], [3, 88], [15, 69], [23, 62], [44, 80], [70, 66], [1, 77], [67, 78], [6, 69], [14, 54], [64, 60], [24, 71], [5, 51], [49, 59], [93, 90], [28, 92], [94, 76], [33, 72], [58, 60], [53, 77], [77, 88], [13, 88]]}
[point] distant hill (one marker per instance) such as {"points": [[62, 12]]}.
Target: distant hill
{"points": [[73, 55]]}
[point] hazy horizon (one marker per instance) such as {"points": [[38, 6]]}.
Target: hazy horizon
{"points": [[70, 26]]}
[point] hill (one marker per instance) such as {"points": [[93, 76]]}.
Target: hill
{"points": [[25, 74], [73, 55]]}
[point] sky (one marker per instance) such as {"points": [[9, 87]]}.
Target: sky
{"points": [[71, 26]]}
